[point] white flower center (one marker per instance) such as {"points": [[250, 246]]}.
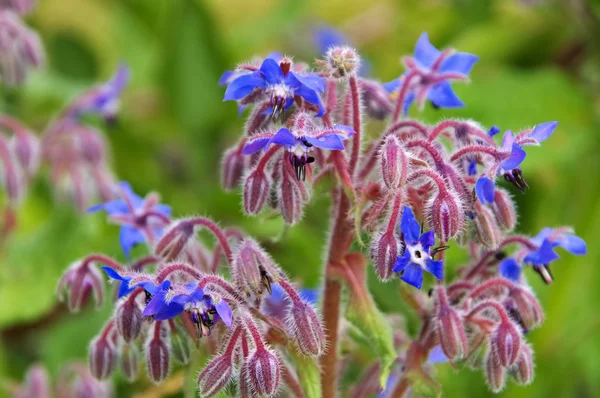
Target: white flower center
{"points": [[280, 91], [418, 255]]}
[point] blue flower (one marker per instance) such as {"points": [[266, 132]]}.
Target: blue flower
{"points": [[205, 309], [125, 286], [141, 219], [230, 75], [103, 99], [434, 78], [299, 143], [484, 188], [417, 252], [282, 85]]}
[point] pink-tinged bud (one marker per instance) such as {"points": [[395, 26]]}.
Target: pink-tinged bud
{"points": [[393, 163], [232, 168], [256, 191], [290, 198], [103, 356], [129, 318], [342, 61], [263, 372], [523, 370], [36, 384], [174, 241], [215, 375], [449, 327], [486, 228], [157, 352], [495, 373], [384, 251], [506, 343], [21, 49], [446, 216], [244, 384], [78, 282], [93, 146], [12, 174], [18, 6], [304, 324], [527, 308], [129, 357], [253, 269], [26, 147], [504, 210]]}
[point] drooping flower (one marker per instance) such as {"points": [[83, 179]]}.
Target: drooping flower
{"points": [[205, 309], [230, 75], [281, 84], [417, 252], [141, 219], [305, 135], [431, 71], [103, 99], [125, 286]]}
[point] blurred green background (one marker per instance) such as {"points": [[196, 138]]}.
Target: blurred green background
{"points": [[540, 61]]}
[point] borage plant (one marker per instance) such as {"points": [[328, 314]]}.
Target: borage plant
{"points": [[417, 189]]}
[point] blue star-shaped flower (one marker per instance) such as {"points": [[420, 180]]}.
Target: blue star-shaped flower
{"points": [[417, 252], [280, 84], [125, 286], [139, 218]]}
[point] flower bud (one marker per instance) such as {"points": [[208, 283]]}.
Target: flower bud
{"points": [[129, 318], [523, 371], [157, 352], [129, 361], [215, 375], [449, 327], [77, 283], [506, 343], [486, 229], [527, 307], [495, 373], [384, 251], [393, 163], [18, 6], [446, 216], [305, 326], [253, 269], [174, 241], [256, 190], [504, 210], [232, 168], [21, 50], [92, 146], [289, 195], [263, 371], [12, 175], [376, 99], [342, 61], [103, 356], [26, 147], [36, 384]]}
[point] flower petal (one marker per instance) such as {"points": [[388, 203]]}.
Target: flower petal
{"points": [[413, 275], [224, 79], [459, 62], [255, 146], [392, 86], [331, 142], [425, 52], [436, 355], [543, 131], [539, 238], [155, 304], [410, 98], [427, 240], [443, 96], [507, 141], [472, 169], [510, 269], [244, 85], [543, 255], [485, 189], [112, 273], [271, 71], [224, 312], [493, 131], [436, 268], [168, 311], [574, 244], [310, 296], [312, 81], [311, 96], [401, 262], [517, 156], [409, 226], [284, 137], [129, 237]]}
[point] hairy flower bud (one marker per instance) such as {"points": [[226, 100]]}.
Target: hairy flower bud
{"points": [[486, 228], [21, 49], [256, 191], [253, 269], [495, 373], [215, 375], [129, 357], [174, 241], [157, 352], [342, 61], [384, 251], [449, 327], [80, 280], [506, 343], [393, 163], [504, 210], [263, 372], [36, 384], [305, 326], [129, 318], [446, 216], [26, 147], [290, 198], [232, 168], [93, 146], [523, 371], [103, 357], [527, 308]]}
